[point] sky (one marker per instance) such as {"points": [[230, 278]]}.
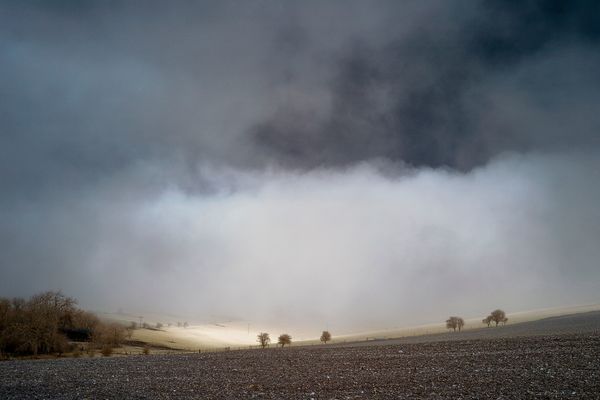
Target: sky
{"points": [[344, 163]]}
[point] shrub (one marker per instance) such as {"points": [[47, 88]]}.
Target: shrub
{"points": [[107, 350], [325, 337]]}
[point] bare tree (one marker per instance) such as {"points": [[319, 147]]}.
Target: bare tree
{"points": [[284, 339], [325, 337], [47, 322], [450, 323], [498, 316], [455, 323], [263, 339], [487, 320]]}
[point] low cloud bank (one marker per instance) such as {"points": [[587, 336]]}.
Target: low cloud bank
{"points": [[372, 246]]}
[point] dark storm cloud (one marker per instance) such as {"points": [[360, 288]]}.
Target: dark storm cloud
{"points": [[423, 96], [91, 88]]}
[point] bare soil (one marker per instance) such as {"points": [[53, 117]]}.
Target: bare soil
{"points": [[548, 366]]}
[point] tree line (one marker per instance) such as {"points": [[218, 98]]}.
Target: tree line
{"points": [[51, 323]]}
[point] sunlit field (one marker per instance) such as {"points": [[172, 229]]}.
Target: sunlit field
{"points": [[239, 335]]}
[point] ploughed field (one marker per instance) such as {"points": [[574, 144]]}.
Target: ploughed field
{"points": [[551, 366]]}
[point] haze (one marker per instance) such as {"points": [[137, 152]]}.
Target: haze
{"points": [[355, 165]]}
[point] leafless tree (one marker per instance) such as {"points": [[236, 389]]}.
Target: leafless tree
{"points": [[46, 322], [455, 323], [284, 339], [263, 339], [498, 316], [487, 320], [325, 337]]}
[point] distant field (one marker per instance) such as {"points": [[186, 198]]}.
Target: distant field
{"points": [[236, 334], [471, 324], [581, 323]]}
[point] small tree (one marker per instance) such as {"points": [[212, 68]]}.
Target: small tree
{"points": [[487, 320], [263, 339], [325, 337], [455, 323], [284, 339], [498, 316], [451, 323]]}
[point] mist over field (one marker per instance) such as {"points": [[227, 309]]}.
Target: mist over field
{"points": [[352, 165]]}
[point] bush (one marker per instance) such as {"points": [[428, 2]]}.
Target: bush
{"points": [[107, 350], [109, 334], [325, 337]]}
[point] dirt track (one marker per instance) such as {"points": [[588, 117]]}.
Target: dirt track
{"points": [[562, 366]]}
